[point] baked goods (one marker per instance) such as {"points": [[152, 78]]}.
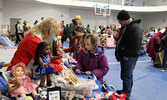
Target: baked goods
{"points": [[72, 79]]}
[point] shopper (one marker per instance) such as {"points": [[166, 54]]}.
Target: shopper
{"points": [[88, 29], [75, 22], [62, 31], [77, 44], [35, 23], [26, 50], [128, 49], [164, 46], [20, 30], [92, 60]]}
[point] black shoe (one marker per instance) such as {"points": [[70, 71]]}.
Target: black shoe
{"points": [[49, 83], [127, 98], [119, 91]]}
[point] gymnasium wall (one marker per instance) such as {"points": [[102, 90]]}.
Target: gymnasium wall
{"points": [[34, 11], [88, 17], [155, 19], [1, 13]]}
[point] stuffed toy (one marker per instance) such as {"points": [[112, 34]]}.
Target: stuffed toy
{"points": [[42, 92], [113, 96], [17, 83]]}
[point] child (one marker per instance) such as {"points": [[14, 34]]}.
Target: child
{"points": [[20, 84], [92, 60], [78, 42], [43, 62]]}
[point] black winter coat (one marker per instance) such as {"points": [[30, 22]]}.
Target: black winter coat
{"points": [[164, 40], [129, 41]]}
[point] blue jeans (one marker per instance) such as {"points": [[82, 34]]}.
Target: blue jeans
{"points": [[164, 59], [127, 67]]}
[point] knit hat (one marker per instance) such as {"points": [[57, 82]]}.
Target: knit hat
{"points": [[123, 15], [28, 25], [78, 17]]}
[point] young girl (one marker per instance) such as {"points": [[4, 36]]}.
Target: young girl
{"points": [[20, 84], [92, 60], [78, 42], [43, 62]]}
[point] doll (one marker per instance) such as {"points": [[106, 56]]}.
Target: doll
{"points": [[58, 39], [20, 84], [43, 62], [57, 52]]}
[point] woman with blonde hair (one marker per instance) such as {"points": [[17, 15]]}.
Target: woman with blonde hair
{"points": [[43, 32]]}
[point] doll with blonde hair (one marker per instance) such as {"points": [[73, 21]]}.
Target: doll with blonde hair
{"points": [[42, 32], [20, 84]]}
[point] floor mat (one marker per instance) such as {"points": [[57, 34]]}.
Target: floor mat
{"points": [[149, 82]]}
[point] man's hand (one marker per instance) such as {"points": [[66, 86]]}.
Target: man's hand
{"points": [[125, 58]]}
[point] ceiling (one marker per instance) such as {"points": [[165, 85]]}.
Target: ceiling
{"points": [[118, 2], [23, 0], [87, 4]]}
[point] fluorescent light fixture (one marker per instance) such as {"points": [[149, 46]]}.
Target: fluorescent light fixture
{"points": [[69, 2], [55, 1]]}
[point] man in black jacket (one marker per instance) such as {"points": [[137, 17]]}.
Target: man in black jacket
{"points": [[128, 49], [164, 46]]}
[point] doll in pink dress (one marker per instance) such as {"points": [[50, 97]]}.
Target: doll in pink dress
{"points": [[20, 84]]}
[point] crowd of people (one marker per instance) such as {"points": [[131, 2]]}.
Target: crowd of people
{"points": [[85, 48], [157, 46]]}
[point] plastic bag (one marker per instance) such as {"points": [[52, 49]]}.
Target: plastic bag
{"points": [[84, 87]]}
